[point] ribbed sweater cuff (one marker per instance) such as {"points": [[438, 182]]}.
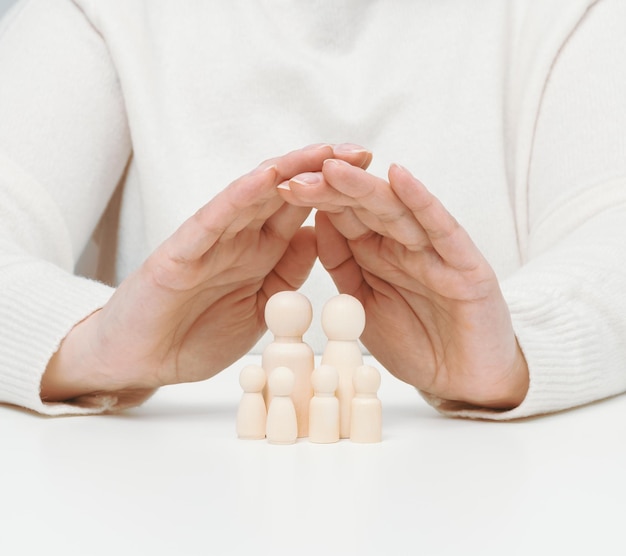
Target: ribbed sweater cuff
{"points": [[567, 367], [40, 306]]}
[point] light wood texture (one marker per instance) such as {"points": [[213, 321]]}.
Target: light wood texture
{"points": [[288, 315], [343, 322]]}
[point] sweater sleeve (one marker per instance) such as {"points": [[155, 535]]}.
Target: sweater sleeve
{"points": [[568, 301], [64, 145]]}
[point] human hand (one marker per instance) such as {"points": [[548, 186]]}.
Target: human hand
{"points": [[436, 317], [197, 303]]}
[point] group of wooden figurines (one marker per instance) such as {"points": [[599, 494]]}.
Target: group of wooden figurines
{"points": [[286, 397]]}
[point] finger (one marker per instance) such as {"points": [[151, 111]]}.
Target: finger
{"points": [[305, 160], [259, 205], [350, 226], [285, 222], [251, 198], [335, 255], [311, 158], [295, 265], [255, 205], [235, 206], [308, 159], [356, 155], [378, 205], [446, 235], [311, 190]]}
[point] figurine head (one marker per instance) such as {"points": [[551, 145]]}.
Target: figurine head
{"points": [[343, 318], [288, 313]]}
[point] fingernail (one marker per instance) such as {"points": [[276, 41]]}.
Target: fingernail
{"points": [[399, 167], [284, 185], [335, 162], [317, 146], [264, 167], [307, 179], [349, 148]]}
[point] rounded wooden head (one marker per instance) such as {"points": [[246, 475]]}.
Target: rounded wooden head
{"points": [[343, 318], [252, 378], [281, 381], [325, 379], [366, 380], [288, 313]]}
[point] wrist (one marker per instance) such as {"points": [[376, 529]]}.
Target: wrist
{"points": [[511, 390], [74, 370]]}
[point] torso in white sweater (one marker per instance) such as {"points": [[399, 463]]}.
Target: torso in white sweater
{"points": [[170, 101]]}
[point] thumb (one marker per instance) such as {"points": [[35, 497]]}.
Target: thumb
{"points": [[295, 265], [336, 256]]}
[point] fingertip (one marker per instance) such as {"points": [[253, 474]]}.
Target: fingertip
{"points": [[367, 161], [349, 148], [264, 168], [308, 237], [306, 241], [321, 218], [319, 152], [395, 168], [296, 264], [400, 176], [334, 164], [318, 147], [357, 155], [307, 179]]}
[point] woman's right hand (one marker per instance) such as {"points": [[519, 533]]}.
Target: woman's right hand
{"points": [[196, 305]]}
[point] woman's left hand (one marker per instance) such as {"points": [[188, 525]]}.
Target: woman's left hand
{"points": [[436, 317]]}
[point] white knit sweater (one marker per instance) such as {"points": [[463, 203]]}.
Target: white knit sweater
{"points": [[512, 112]]}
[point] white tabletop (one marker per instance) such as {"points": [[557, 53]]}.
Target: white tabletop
{"points": [[171, 477]]}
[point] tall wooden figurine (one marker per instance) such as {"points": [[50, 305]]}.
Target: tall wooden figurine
{"points": [[288, 315], [343, 322]]}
